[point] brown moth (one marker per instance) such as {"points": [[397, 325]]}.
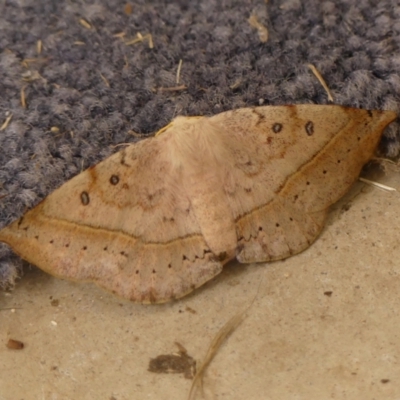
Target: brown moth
{"points": [[160, 218]]}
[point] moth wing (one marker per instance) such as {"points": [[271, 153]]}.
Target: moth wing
{"points": [[285, 165], [125, 224]]}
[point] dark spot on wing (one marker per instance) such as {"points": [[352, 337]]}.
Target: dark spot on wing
{"points": [[114, 180], [277, 127], [309, 128], [85, 200]]}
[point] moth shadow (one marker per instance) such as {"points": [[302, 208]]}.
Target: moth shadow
{"points": [[232, 274], [33, 278]]}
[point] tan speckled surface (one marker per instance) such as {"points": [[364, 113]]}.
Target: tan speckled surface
{"points": [[299, 341]]}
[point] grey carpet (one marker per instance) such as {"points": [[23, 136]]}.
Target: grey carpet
{"points": [[88, 90]]}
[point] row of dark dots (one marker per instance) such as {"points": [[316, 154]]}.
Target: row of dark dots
{"points": [[260, 228], [183, 259], [105, 249], [126, 254], [123, 253], [338, 161]]}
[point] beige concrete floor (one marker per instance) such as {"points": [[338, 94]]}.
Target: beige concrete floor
{"points": [[325, 324]]}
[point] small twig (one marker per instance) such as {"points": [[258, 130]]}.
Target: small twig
{"points": [[141, 38], [385, 160], [321, 81], [104, 80], [85, 24], [217, 342], [27, 61], [170, 89], [31, 76], [54, 129], [137, 135], [236, 84], [6, 122], [378, 185], [220, 337], [119, 35], [114, 146], [23, 97], [178, 72], [39, 46], [261, 29]]}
